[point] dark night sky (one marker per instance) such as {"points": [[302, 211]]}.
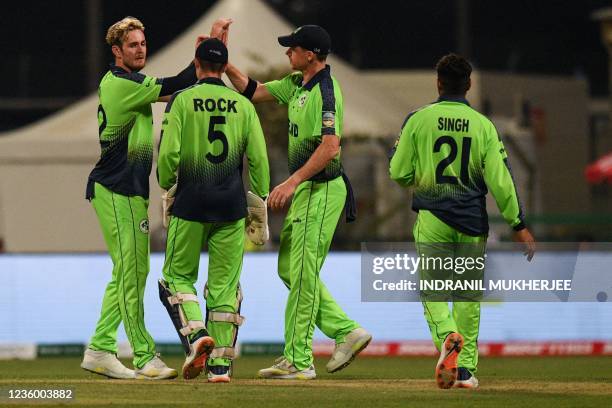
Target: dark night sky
{"points": [[46, 54]]}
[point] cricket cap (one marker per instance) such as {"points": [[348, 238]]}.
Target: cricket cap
{"points": [[212, 50], [310, 37]]}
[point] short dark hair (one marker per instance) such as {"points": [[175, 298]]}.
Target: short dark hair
{"points": [[321, 57], [211, 66], [454, 74]]}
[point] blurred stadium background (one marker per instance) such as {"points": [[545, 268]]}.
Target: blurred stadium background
{"points": [[542, 73]]}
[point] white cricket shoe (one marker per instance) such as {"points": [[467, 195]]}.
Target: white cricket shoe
{"points": [[283, 370], [465, 379], [155, 369], [344, 353], [196, 360], [106, 364]]}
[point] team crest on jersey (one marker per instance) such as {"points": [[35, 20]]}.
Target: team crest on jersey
{"points": [[329, 119], [144, 226], [302, 100]]}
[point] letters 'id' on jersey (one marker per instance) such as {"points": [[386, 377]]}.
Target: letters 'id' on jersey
{"points": [[315, 109]]}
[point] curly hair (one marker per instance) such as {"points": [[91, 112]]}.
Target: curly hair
{"points": [[117, 32], [454, 73]]}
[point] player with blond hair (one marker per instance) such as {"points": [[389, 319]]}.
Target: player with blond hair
{"points": [[118, 188]]}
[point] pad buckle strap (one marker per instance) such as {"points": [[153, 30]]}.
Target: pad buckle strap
{"points": [[180, 298], [220, 352], [191, 326], [229, 317]]}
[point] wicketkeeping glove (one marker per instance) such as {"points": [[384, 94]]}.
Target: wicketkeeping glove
{"points": [[167, 201], [257, 220]]}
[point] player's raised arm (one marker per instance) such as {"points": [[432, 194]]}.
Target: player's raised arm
{"points": [[252, 89], [182, 80], [401, 167], [187, 76]]}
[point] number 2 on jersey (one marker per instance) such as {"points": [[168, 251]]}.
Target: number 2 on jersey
{"points": [[214, 135], [465, 160]]}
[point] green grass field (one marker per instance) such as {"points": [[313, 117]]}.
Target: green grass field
{"points": [[368, 382]]}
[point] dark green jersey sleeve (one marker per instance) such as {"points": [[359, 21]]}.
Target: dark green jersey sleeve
{"points": [[498, 178], [283, 89], [329, 121], [257, 156]]}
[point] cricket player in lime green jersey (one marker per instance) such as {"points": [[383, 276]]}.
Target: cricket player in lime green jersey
{"points": [[118, 188], [207, 130], [452, 156], [318, 189]]}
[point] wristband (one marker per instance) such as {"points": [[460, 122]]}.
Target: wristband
{"points": [[250, 89]]}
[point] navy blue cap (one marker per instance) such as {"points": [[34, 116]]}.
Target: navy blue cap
{"points": [[212, 50], [310, 37]]}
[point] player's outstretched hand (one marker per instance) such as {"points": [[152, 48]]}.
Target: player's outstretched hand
{"points": [[527, 239], [282, 194], [220, 29]]}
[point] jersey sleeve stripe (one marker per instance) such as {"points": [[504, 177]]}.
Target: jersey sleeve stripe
{"points": [[326, 87]]}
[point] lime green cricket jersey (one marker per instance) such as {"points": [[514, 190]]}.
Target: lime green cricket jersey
{"points": [[125, 124], [453, 155], [206, 131], [315, 109]]}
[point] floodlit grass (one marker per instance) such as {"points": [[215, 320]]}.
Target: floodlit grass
{"points": [[368, 382]]}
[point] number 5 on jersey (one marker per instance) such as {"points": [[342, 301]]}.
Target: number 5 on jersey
{"points": [[217, 135]]}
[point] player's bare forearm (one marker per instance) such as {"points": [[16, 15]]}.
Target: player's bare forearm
{"points": [[327, 150], [237, 78], [240, 82]]}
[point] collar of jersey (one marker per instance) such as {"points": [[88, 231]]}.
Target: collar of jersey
{"points": [[118, 70], [317, 78], [211, 80], [453, 98]]}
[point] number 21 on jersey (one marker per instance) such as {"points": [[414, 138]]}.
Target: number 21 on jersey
{"points": [[464, 175]]}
